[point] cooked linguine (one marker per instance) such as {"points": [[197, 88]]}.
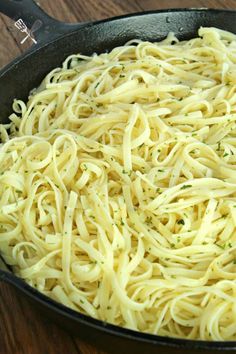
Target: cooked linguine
{"points": [[118, 186]]}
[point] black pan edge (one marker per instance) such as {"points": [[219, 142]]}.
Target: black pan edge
{"points": [[121, 332], [79, 27]]}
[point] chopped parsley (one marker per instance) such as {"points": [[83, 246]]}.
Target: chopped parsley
{"points": [[218, 148], [186, 186]]}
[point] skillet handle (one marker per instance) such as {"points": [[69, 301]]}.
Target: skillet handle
{"points": [[41, 27]]}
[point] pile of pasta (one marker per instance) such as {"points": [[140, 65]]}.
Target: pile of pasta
{"points": [[118, 186]]}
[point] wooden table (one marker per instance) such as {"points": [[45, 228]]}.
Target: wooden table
{"points": [[22, 329]]}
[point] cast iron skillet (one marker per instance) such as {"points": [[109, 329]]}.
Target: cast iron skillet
{"points": [[56, 41]]}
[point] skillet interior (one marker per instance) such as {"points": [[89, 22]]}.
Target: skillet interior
{"points": [[26, 72]]}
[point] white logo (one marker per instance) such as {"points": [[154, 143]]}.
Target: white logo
{"points": [[20, 25]]}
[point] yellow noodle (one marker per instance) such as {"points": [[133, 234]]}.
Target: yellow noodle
{"points": [[118, 186]]}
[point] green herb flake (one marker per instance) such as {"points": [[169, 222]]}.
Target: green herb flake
{"points": [[218, 146], [186, 186]]}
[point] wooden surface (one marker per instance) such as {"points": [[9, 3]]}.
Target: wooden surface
{"points": [[22, 329]]}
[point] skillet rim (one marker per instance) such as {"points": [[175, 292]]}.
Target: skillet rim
{"points": [[72, 28], [60, 309], [121, 332]]}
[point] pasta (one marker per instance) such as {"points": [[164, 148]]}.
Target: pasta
{"points": [[118, 186]]}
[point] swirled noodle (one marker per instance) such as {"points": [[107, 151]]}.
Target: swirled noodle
{"points": [[118, 186]]}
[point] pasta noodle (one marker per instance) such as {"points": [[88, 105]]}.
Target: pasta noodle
{"points": [[118, 186]]}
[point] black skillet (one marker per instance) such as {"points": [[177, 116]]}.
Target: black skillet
{"points": [[55, 41]]}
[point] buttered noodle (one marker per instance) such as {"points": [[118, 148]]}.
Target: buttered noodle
{"points": [[118, 186]]}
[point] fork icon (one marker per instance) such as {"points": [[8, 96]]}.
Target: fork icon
{"points": [[20, 25]]}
